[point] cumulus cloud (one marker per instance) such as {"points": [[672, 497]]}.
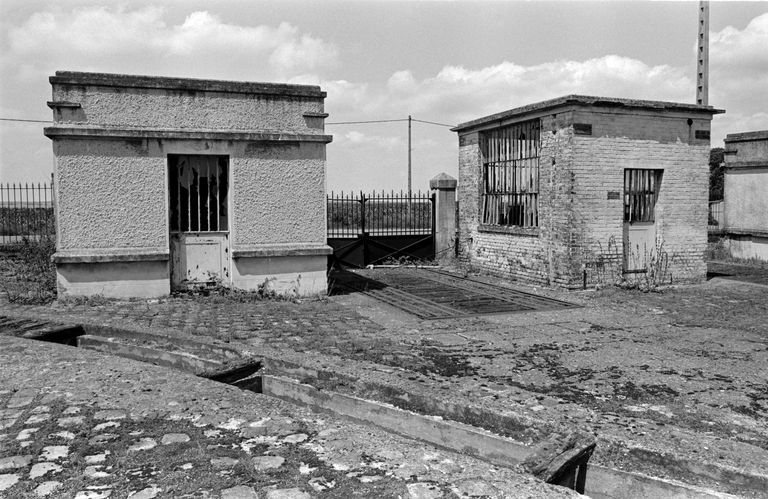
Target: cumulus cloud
{"points": [[110, 37], [458, 93]]}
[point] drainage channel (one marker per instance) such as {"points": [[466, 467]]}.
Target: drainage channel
{"points": [[561, 460]]}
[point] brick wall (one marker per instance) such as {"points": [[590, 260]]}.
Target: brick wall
{"points": [[581, 200]]}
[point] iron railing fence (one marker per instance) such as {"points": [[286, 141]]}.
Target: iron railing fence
{"points": [[26, 212], [380, 214], [716, 218]]}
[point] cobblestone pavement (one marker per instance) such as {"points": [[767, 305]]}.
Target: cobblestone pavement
{"points": [[681, 372], [74, 423]]}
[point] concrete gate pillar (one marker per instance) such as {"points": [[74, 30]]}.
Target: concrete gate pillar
{"points": [[445, 215]]}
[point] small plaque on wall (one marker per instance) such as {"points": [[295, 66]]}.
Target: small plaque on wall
{"points": [[582, 129], [702, 134], [614, 195]]}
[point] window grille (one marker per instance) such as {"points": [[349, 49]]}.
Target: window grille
{"points": [[641, 189], [198, 187], [511, 175]]}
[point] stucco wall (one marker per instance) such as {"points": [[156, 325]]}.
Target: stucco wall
{"points": [[124, 101], [112, 138], [279, 194], [109, 194], [746, 183]]}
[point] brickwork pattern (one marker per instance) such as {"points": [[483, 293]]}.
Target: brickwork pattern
{"points": [[580, 235]]}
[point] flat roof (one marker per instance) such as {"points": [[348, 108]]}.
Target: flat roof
{"points": [[587, 100], [191, 84], [747, 136]]}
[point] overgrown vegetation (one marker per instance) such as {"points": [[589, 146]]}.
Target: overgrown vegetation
{"points": [[716, 173], [29, 275]]}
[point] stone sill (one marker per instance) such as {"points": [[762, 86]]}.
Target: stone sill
{"points": [[70, 131], [746, 232], [58, 104], [111, 255], [272, 250], [511, 230]]}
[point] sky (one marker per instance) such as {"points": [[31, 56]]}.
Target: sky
{"points": [[439, 61]]}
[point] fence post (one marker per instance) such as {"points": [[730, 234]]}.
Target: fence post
{"points": [[445, 215]]}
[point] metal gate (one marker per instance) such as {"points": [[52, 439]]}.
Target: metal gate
{"points": [[641, 190], [380, 228], [198, 189]]}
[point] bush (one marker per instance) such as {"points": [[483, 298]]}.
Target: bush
{"points": [[31, 274]]}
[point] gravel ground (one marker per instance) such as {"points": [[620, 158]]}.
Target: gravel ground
{"points": [[681, 372]]}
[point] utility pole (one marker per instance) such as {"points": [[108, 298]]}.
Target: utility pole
{"points": [[409, 154], [702, 66]]}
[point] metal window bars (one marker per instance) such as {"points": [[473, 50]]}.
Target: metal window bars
{"points": [[641, 190], [198, 188], [511, 175]]}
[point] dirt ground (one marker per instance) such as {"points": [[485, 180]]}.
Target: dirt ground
{"points": [[681, 373]]}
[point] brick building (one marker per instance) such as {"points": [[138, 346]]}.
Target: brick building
{"points": [[586, 189], [166, 183]]}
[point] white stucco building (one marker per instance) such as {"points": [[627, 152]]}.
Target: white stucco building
{"points": [[162, 183]]}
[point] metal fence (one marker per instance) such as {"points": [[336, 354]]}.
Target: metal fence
{"points": [[26, 212], [715, 221], [380, 214]]}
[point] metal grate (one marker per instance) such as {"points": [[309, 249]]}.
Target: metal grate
{"points": [[433, 294], [198, 188], [641, 189], [511, 175]]}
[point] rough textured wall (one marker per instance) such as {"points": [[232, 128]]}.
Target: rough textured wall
{"points": [[746, 182], [681, 209], [581, 199], [279, 194], [110, 194], [746, 200], [157, 108]]}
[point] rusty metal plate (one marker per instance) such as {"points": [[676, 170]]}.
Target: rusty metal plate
{"points": [[431, 294]]}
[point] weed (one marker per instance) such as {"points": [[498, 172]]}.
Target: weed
{"points": [[31, 275]]}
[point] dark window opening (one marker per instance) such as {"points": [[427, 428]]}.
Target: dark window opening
{"points": [[641, 190], [198, 188], [511, 175]]}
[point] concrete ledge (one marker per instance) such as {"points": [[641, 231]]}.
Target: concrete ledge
{"points": [[111, 255], [74, 131], [512, 230], [746, 232], [291, 249], [168, 83], [60, 104]]}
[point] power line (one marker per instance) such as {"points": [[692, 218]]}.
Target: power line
{"points": [[26, 121], [433, 123], [358, 122]]}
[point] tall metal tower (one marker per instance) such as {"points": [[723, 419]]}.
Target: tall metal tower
{"points": [[702, 67]]}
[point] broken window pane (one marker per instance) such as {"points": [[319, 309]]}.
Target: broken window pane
{"points": [[198, 187]]}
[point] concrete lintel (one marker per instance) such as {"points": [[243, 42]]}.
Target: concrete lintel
{"points": [[59, 104], [746, 232], [315, 115], [187, 84], [89, 132], [111, 255], [288, 249], [746, 165]]}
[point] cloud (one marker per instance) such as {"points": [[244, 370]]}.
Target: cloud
{"points": [[109, 38]]}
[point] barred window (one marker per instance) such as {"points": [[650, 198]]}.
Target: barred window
{"points": [[641, 189], [511, 175]]}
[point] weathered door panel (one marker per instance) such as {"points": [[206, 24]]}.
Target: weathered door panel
{"points": [[639, 245], [198, 259]]}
